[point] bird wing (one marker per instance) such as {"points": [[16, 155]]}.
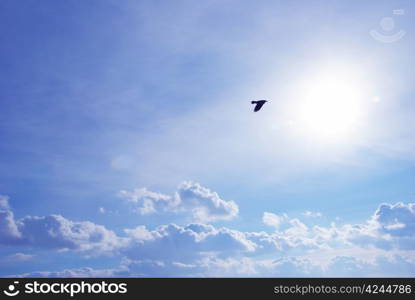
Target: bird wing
{"points": [[258, 106]]}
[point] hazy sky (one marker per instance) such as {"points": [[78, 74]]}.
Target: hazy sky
{"points": [[129, 147]]}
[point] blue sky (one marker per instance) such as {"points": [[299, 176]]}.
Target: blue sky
{"points": [[129, 146]]}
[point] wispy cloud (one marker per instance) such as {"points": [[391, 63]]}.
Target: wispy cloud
{"points": [[311, 214], [17, 257]]}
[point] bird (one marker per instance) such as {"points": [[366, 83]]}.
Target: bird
{"points": [[259, 104]]}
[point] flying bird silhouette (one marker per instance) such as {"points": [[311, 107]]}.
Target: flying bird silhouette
{"points": [[259, 104]]}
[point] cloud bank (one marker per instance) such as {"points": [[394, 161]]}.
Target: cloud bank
{"points": [[382, 245]]}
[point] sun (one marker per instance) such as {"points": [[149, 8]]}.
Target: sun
{"points": [[330, 107]]}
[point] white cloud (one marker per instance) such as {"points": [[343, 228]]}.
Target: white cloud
{"points": [[395, 226], [20, 257], [213, 266], [16, 257], [373, 248], [57, 232], [148, 202], [192, 198], [290, 227], [9, 232], [205, 205], [4, 202], [273, 220], [311, 214], [298, 250], [184, 243], [391, 227], [396, 220], [140, 233], [297, 228], [71, 273]]}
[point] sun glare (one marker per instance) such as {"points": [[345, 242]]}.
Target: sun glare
{"points": [[330, 108]]}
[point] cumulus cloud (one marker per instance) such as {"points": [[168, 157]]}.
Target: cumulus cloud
{"points": [[148, 202], [290, 226], [297, 228], [273, 220], [396, 220], [289, 232], [300, 250], [292, 248], [55, 232], [200, 202], [168, 242], [391, 227], [9, 233], [185, 243]]}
